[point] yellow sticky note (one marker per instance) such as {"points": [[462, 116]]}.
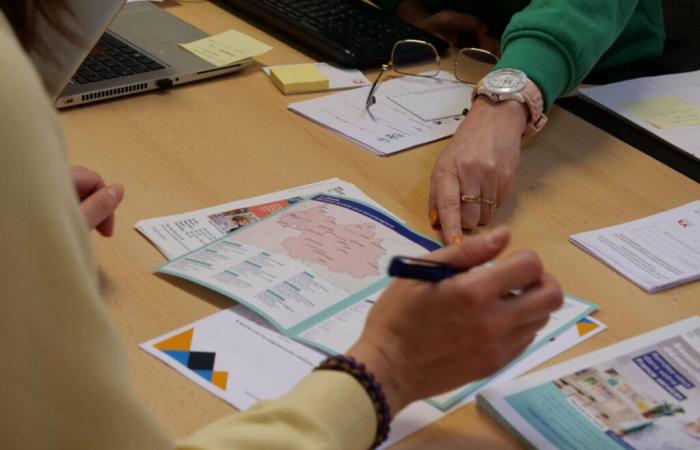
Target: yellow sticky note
{"points": [[297, 78], [666, 112], [227, 48]]}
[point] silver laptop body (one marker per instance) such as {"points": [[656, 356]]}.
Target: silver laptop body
{"points": [[154, 34]]}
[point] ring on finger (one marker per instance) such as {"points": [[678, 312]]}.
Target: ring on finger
{"points": [[471, 199], [491, 203]]}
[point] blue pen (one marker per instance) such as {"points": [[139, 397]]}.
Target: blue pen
{"points": [[421, 269]]}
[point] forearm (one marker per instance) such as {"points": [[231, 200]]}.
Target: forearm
{"points": [[328, 410], [558, 43]]}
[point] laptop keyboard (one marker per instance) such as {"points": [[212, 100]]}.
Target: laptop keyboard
{"points": [[112, 58]]}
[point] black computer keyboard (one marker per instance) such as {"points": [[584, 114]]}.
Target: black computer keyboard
{"points": [[112, 58], [350, 32]]}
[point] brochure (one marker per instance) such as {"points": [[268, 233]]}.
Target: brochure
{"points": [[656, 252], [641, 393], [304, 264]]}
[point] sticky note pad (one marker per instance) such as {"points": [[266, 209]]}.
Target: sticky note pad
{"points": [[298, 78], [666, 112], [226, 48]]}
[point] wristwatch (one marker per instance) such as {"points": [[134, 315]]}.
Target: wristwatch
{"points": [[512, 84]]}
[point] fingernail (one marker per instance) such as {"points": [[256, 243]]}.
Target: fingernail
{"points": [[457, 239], [498, 236], [433, 216], [116, 191]]}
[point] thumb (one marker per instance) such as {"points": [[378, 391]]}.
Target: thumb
{"points": [[474, 250], [100, 206]]}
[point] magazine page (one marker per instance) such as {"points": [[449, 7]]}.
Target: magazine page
{"points": [[639, 394], [178, 234], [305, 263]]}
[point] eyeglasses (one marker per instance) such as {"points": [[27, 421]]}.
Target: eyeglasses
{"points": [[421, 59]]}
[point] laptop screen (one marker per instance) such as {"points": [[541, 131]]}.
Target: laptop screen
{"points": [[59, 57]]}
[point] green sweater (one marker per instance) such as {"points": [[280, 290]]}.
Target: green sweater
{"points": [[558, 43]]}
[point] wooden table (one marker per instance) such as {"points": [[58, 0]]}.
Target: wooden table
{"points": [[232, 138]]}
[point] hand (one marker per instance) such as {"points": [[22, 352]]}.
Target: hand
{"points": [[479, 161], [457, 28], [97, 201], [422, 339]]}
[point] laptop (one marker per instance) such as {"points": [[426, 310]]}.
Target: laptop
{"points": [[117, 50]]}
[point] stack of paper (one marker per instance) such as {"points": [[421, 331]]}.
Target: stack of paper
{"points": [[311, 262], [666, 106], [655, 253]]}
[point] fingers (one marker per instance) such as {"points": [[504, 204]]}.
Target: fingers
{"points": [[537, 302], [516, 271], [489, 196], [99, 207], [475, 250], [470, 211], [86, 181], [447, 198]]}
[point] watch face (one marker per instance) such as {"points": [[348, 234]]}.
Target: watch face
{"points": [[505, 81]]}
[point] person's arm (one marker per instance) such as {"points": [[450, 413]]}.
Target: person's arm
{"points": [[558, 43]]}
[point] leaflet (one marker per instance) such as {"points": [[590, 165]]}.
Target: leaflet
{"points": [[639, 394], [178, 234], [237, 356], [655, 253], [305, 263]]}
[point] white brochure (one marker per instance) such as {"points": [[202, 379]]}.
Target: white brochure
{"points": [[388, 127], [237, 356], [181, 233], [656, 252]]}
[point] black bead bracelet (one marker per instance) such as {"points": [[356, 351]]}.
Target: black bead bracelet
{"points": [[358, 371]]}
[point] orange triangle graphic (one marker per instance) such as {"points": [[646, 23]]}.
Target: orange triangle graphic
{"points": [[585, 327], [220, 379], [182, 342]]}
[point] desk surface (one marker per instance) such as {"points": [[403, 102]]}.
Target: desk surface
{"points": [[231, 138]]}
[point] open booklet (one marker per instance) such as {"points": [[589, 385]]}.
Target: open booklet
{"points": [[642, 393], [306, 263]]}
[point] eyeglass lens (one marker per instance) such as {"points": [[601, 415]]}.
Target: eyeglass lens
{"points": [[472, 64], [414, 58]]}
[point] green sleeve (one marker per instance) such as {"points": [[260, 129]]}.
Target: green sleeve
{"points": [[558, 43]]}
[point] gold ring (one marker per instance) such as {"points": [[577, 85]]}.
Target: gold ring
{"points": [[471, 199], [492, 204]]}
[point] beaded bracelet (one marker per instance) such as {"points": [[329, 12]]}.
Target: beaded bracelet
{"points": [[358, 371]]}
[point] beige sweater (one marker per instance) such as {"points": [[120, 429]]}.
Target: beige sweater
{"points": [[63, 374]]}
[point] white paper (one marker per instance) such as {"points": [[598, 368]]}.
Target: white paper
{"points": [[388, 128], [338, 77], [262, 364], [656, 252], [614, 97], [435, 104], [178, 234]]}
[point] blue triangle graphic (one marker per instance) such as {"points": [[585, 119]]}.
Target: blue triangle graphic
{"points": [[206, 374], [181, 356], [585, 320]]}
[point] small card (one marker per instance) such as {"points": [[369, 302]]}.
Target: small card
{"points": [[295, 79], [436, 102], [666, 112], [226, 48], [338, 78]]}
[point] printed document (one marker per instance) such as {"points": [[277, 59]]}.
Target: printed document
{"points": [[181, 233], [305, 263], [643, 393], [666, 106], [240, 358], [388, 127], [655, 253]]}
